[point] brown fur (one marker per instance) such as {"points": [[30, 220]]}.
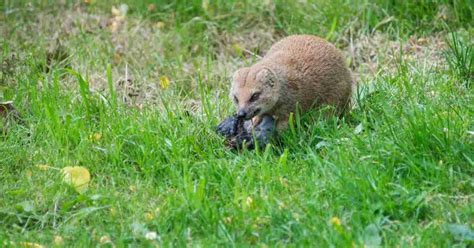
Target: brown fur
{"points": [[300, 70]]}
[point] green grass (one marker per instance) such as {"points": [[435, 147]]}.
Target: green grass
{"points": [[397, 171]]}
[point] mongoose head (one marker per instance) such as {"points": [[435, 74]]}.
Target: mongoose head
{"points": [[254, 91]]}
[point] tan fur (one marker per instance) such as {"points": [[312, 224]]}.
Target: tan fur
{"points": [[300, 70]]}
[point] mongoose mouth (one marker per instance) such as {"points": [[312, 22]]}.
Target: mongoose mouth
{"points": [[253, 114]]}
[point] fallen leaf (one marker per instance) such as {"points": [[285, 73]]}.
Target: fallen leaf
{"points": [[117, 58], [227, 220], [105, 239], [113, 26], [118, 17], [159, 25], [115, 11], [164, 82], [284, 181], [113, 211], [248, 201], [28, 174], [121, 11], [151, 7], [148, 216], [95, 137], [58, 240], [237, 48], [76, 176], [335, 221], [30, 244], [42, 166], [205, 4]]}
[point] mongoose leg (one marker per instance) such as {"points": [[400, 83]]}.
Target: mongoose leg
{"points": [[282, 123]]}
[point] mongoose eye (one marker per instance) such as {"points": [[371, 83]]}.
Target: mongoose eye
{"points": [[235, 99], [255, 96]]}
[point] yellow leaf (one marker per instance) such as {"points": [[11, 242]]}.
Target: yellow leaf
{"points": [[159, 25], [149, 216], [248, 201], [120, 11], [116, 58], [113, 212], [115, 11], [151, 7], [164, 82], [205, 4], [29, 244], [335, 221], [105, 239], [284, 181], [237, 48], [227, 220], [42, 166], [28, 174], [58, 240], [114, 26], [76, 176], [95, 137]]}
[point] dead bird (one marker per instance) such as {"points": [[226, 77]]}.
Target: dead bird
{"points": [[239, 132]]}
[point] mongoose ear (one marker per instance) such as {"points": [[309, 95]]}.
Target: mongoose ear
{"points": [[266, 76], [239, 74], [235, 75]]}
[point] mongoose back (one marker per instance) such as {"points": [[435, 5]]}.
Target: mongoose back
{"points": [[301, 71]]}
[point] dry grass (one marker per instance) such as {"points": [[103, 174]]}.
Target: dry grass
{"points": [[137, 49]]}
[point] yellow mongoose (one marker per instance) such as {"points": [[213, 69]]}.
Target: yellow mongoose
{"points": [[300, 70]]}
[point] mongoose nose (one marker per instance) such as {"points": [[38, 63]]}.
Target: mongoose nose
{"points": [[241, 114]]}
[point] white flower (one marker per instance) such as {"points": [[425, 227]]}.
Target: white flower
{"points": [[151, 235]]}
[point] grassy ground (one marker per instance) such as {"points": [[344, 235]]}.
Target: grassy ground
{"points": [[134, 97]]}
